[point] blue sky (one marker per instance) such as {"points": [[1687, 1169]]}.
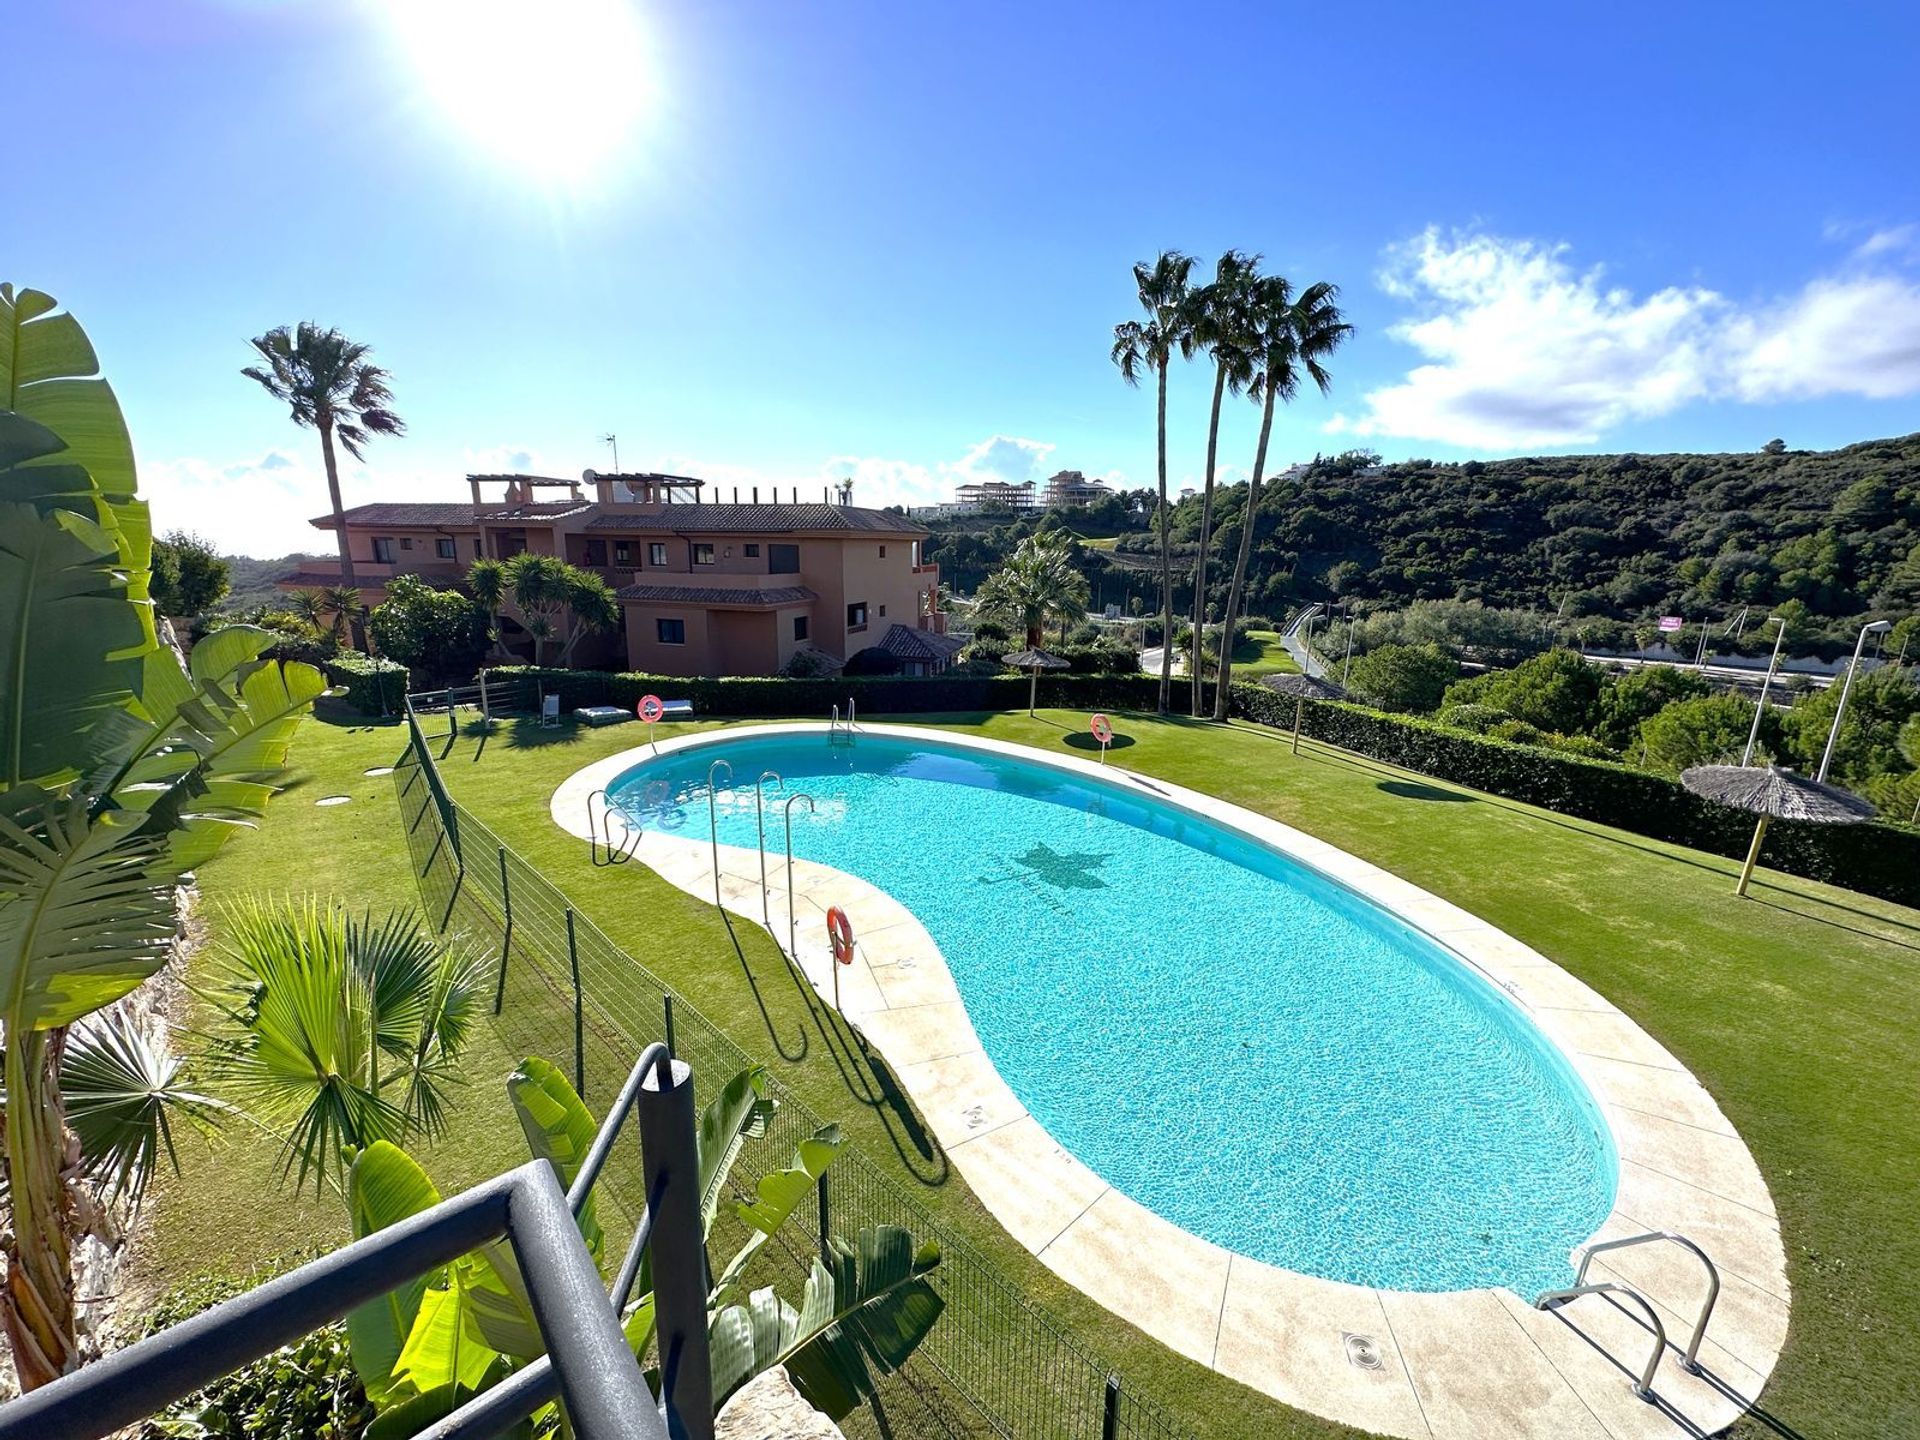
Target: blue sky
{"points": [[777, 243]]}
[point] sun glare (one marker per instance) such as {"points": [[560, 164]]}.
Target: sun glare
{"points": [[553, 88]]}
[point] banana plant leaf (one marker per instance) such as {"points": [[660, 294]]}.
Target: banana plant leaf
{"points": [[70, 643], [86, 910], [384, 1187], [559, 1129], [725, 1125], [776, 1197], [865, 1311], [442, 1348], [411, 1416]]}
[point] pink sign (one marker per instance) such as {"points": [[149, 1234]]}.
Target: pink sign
{"points": [[1671, 623]]}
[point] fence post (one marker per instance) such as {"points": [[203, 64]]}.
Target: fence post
{"points": [[506, 935], [826, 1228], [670, 1165], [1110, 1421], [667, 1002], [579, 1014]]}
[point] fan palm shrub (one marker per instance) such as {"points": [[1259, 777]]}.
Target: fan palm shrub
{"points": [[1038, 585], [341, 1029], [328, 384], [121, 770]]}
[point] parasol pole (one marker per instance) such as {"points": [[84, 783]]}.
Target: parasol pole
{"points": [[1299, 706], [1753, 854], [1033, 689]]}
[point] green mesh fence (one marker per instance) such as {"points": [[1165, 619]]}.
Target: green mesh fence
{"points": [[995, 1364]]}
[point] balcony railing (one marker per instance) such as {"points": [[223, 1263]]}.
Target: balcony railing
{"points": [[588, 1363]]}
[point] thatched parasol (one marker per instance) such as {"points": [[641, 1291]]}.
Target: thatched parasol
{"points": [[1773, 794], [1036, 661], [1303, 688]]}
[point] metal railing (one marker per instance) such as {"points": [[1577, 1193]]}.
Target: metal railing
{"points": [[1643, 1384], [1691, 1358], [995, 1364]]}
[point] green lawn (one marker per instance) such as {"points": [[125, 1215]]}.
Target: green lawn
{"points": [[1261, 653], [1798, 1009]]}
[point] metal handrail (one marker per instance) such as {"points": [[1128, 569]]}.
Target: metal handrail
{"points": [[594, 1370], [1691, 1361], [713, 823], [760, 820], [793, 944], [833, 723], [853, 715], [1643, 1387], [600, 847]]}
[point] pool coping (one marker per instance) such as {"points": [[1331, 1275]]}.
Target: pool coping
{"points": [[1416, 1365]]}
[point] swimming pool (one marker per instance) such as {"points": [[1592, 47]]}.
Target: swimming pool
{"points": [[1239, 1044]]}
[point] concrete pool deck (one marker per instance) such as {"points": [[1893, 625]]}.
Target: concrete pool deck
{"points": [[1458, 1364]]}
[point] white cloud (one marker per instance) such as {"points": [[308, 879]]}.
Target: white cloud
{"points": [[881, 481], [1524, 350], [257, 507]]}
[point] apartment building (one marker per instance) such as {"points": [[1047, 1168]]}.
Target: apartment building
{"points": [[705, 587]]}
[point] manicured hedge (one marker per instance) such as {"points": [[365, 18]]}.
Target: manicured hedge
{"points": [[873, 694], [1876, 859], [375, 685]]}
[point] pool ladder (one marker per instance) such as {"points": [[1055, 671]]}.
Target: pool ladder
{"points": [[840, 732], [602, 849], [1690, 1358]]}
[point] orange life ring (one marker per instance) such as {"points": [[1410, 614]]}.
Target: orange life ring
{"points": [[650, 709], [840, 935], [1102, 728]]}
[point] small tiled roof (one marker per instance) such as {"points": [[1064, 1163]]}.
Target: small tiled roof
{"points": [[906, 643], [760, 519], [404, 515], [537, 510], [738, 597]]}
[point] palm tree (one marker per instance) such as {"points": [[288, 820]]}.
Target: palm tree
{"points": [[329, 385], [1219, 317], [1038, 583], [1292, 336], [343, 602], [342, 1029], [310, 605], [1150, 345]]}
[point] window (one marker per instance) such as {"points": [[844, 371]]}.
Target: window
{"points": [[670, 632], [657, 555], [383, 549], [883, 552], [783, 559], [596, 552], [622, 552], [799, 627], [857, 616], [406, 542], [703, 554], [750, 552], [443, 547], [883, 612], [476, 547]]}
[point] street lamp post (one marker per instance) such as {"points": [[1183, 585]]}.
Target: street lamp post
{"points": [[1753, 735], [1878, 627], [1346, 664]]}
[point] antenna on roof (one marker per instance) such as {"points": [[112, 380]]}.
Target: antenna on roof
{"points": [[614, 440]]}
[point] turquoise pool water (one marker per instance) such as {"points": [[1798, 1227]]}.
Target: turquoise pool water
{"points": [[1246, 1048]]}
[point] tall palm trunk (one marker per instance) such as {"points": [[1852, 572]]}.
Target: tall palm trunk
{"points": [[1206, 527], [1220, 703], [356, 631], [1166, 559], [36, 1309]]}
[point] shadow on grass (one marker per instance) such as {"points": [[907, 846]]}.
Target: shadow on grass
{"points": [[799, 1052], [1083, 740], [870, 1080], [528, 733], [1414, 790]]}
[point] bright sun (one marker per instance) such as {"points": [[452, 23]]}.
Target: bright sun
{"points": [[553, 88]]}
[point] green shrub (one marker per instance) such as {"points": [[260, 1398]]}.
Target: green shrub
{"points": [[1409, 678], [875, 695], [1516, 732], [439, 631], [305, 1391], [1703, 730], [1474, 718], [375, 685], [1876, 859], [1556, 691]]}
